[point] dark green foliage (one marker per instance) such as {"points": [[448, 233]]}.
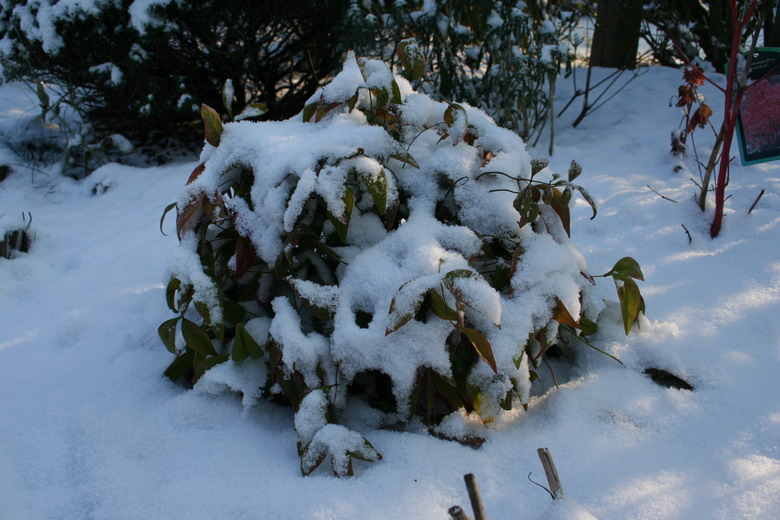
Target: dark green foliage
{"points": [[274, 52]]}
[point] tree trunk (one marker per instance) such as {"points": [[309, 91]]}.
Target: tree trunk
{"points": [[616, 36], [771, 25]]}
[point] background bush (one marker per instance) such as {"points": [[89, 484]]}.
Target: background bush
{"points": [[144, 73]]}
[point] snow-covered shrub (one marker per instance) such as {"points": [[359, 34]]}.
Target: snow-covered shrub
{"points": [[378, 247]]}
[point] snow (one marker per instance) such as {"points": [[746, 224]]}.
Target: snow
{"points": [[91, 428]]}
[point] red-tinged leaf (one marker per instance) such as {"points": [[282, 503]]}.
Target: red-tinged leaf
{"points": [[700, 118], [487, 157], [324, 110], [245, 256], [560, 205], [481, 345], [196, 172], [450, 283], [190, 215], [685, 95], [562, 315], [212, 125], [693, 75]]}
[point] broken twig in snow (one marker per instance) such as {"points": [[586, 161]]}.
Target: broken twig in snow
{"points": [[552, 474]]}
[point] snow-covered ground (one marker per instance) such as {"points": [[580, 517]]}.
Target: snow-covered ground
{"points": [[90, 428]]}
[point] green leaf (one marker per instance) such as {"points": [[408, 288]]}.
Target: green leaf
{"points": [[412, 59], [342, 225], [626, 268], [196, 337], [575, 169], [405, 157], [450, 284], [449, 114], [382, 97], [353, 101], [397, 319], [168, 208], [481, 345], [167, 333], [309, 463], [396, 97], [589, 200], [244, 345], [377, 187], [631, 303], [170, 293], [390, 215], [309, 111], [588, 327], [440, 307], [180, 366], [538, 165], [212, 124], [202, 366], [447, 391], [233, 312]]}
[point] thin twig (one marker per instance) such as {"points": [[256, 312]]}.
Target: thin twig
{"points": [[690, 240], [662, 196], [756, 201]]}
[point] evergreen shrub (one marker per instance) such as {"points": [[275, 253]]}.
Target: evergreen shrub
{"points": [[141, 68], [378, 249]]}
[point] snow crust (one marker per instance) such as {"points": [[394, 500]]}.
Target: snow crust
{"points": [[91, 429]]}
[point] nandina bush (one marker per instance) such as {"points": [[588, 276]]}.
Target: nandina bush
{"points": [[379, 248]]}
